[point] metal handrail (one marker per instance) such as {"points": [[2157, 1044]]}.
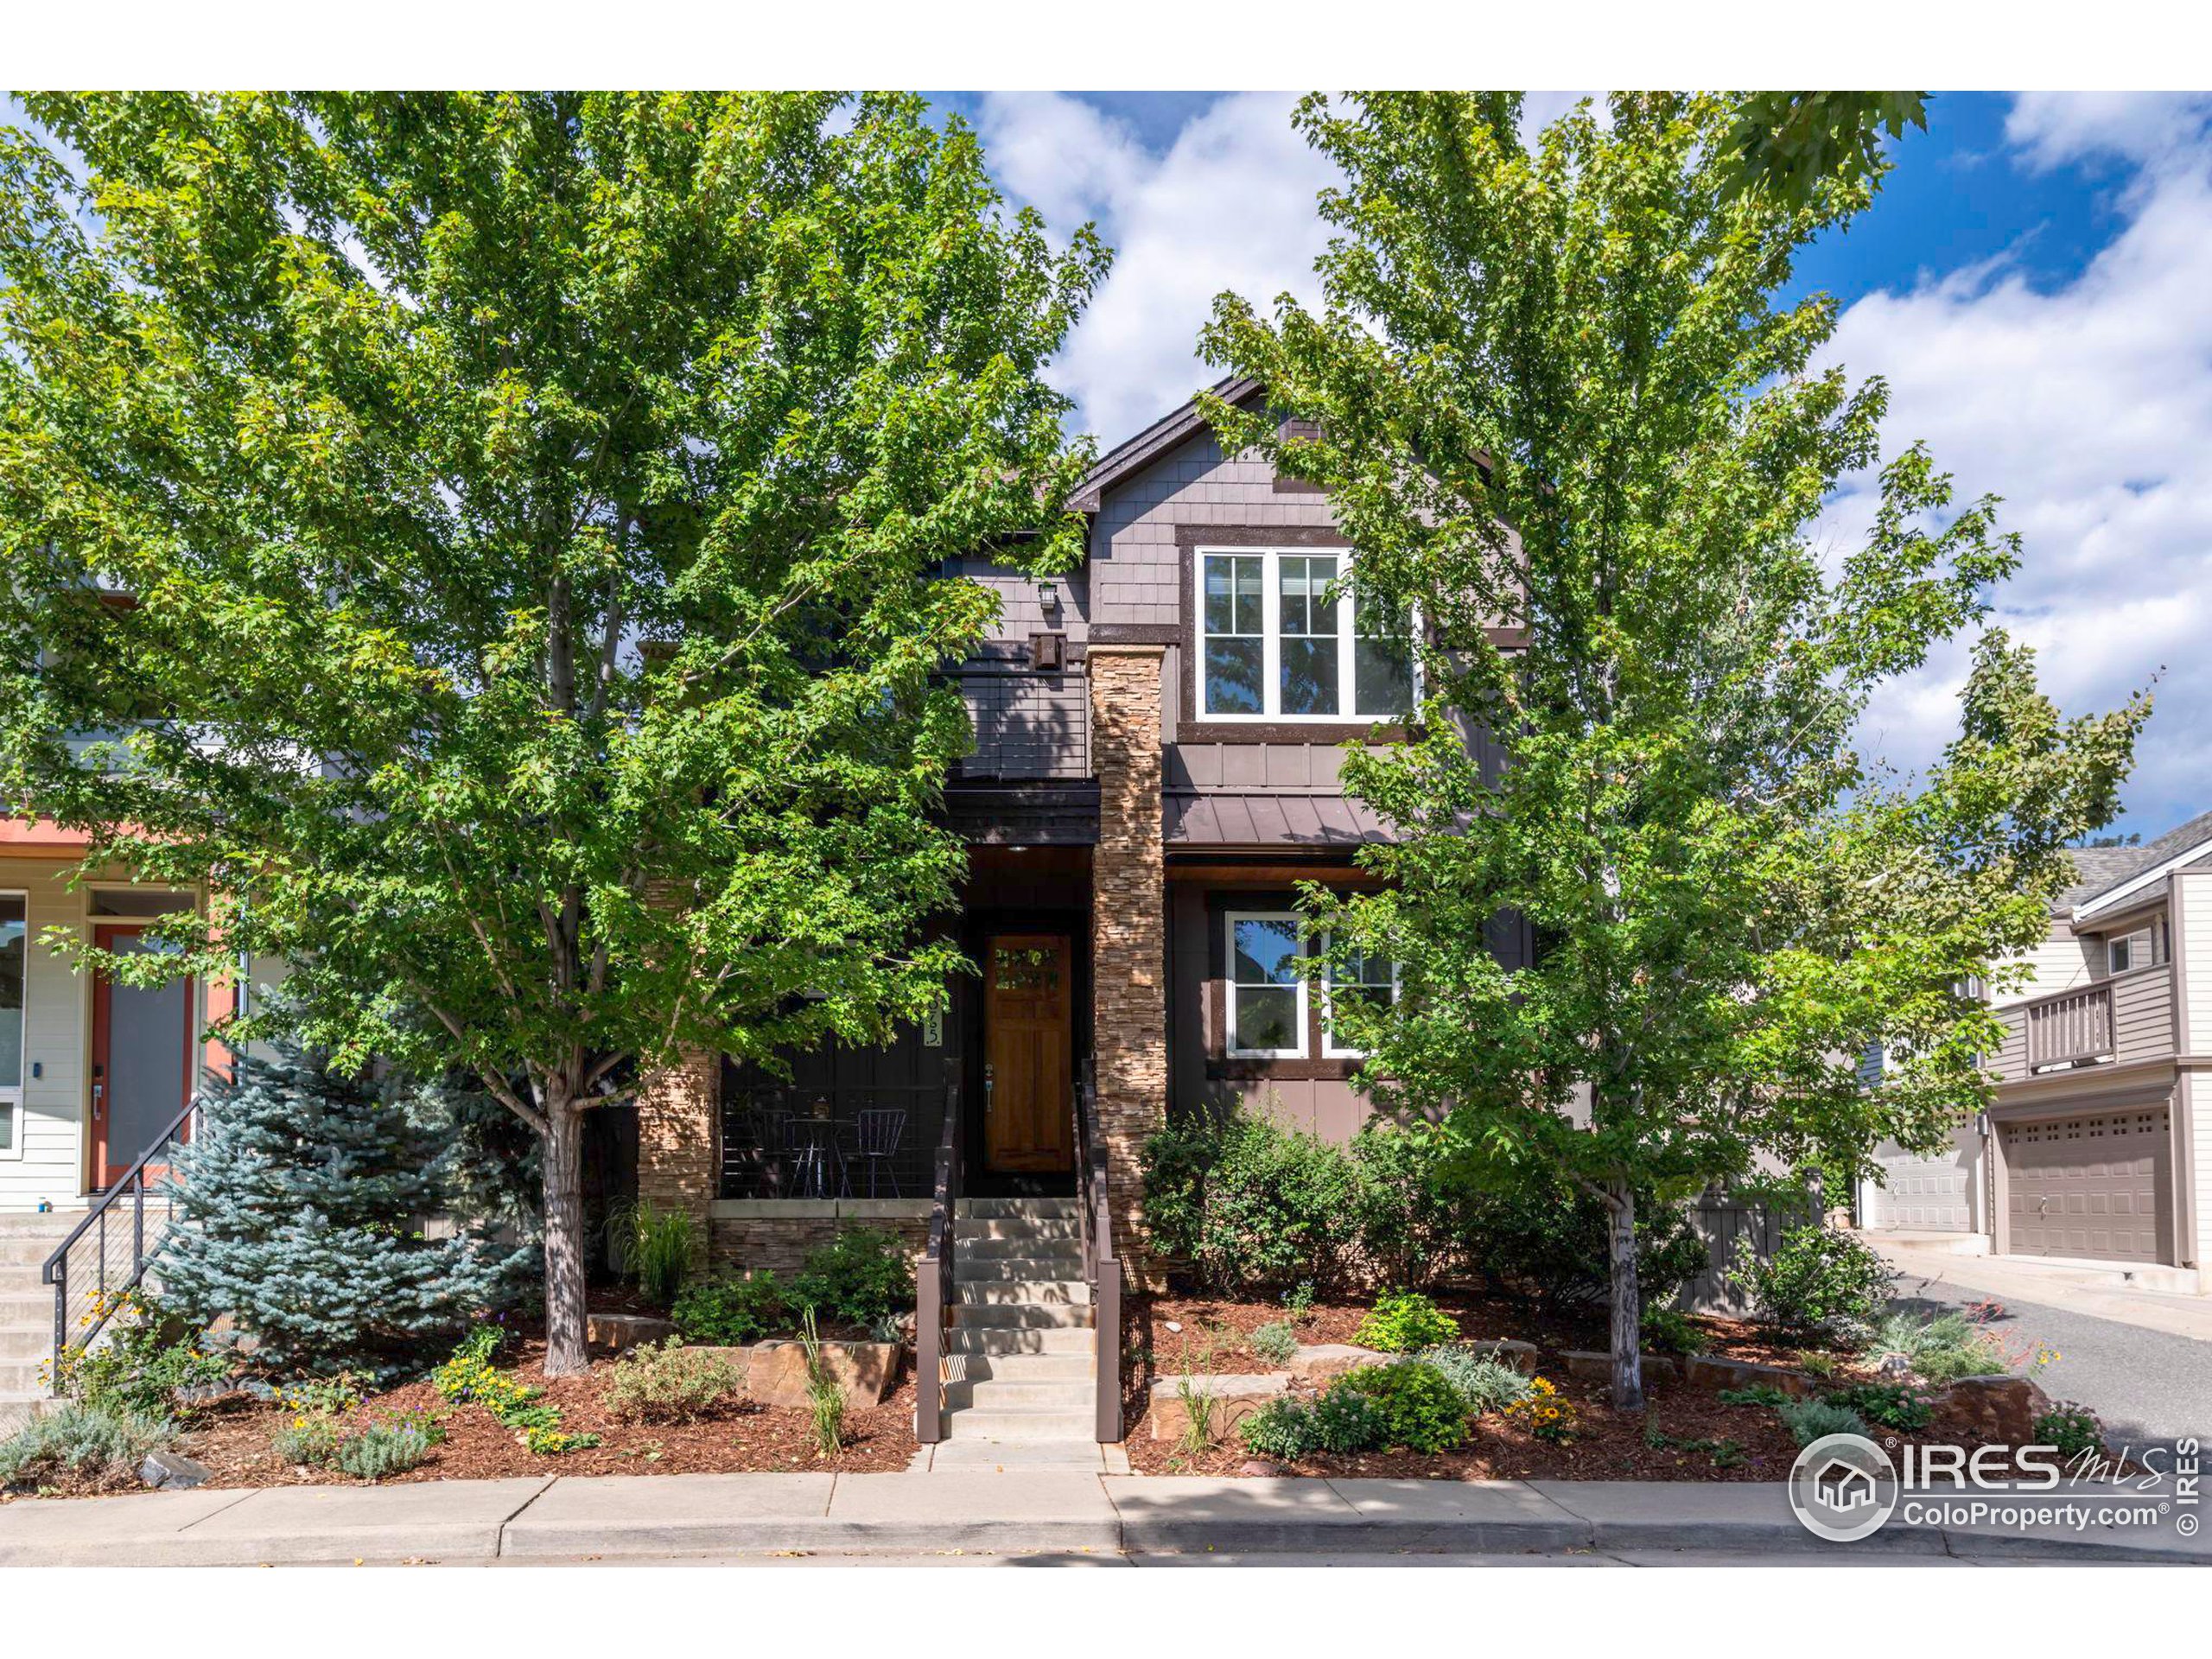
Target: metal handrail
{"points": [[55, 1270], [1102, 1267], [934, 1273]]}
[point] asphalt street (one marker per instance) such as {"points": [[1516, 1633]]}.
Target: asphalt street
{"points": [[2148, 1386]]}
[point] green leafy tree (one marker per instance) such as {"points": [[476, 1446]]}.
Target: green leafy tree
{"points": [[304, 1195], [498, 535], [1566, 423], [1793, 145]]}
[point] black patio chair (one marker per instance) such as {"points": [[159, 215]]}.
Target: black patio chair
{"points": [[879, 1130]]}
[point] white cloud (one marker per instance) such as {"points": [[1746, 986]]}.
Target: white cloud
{"points": [[1230, 205], [2088, 408], [2054, 128]]}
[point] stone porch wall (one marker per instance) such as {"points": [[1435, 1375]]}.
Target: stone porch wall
{"points": [[676, 1108], [775, 1235], [1129, 926]]}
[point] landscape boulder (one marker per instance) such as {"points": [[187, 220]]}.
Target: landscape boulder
{"points": [[1234, 1397], [1708, 1371], [172, 1472], [1991, 1410], [1521, 1356], [1596, 1368], [1322, 1364], [864, 1372], [618, 1333]]}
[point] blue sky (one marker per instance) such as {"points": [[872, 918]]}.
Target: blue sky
{"points": [[2035, 282]]}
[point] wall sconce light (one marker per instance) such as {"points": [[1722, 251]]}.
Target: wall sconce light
{"points": [[1048, 596]]}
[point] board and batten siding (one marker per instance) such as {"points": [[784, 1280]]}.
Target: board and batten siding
{"points": [[57, 1013]]}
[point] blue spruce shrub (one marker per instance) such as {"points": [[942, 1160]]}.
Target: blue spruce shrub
{"points": [[302, 1197]]}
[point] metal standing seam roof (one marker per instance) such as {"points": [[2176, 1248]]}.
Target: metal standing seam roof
{"points": [[1269, 818]]}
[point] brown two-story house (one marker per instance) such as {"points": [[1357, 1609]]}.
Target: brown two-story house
{"points": [[1158, 734]]}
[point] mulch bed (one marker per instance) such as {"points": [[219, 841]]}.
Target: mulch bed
{"points": [[231, 1435], [1608, 1446]]}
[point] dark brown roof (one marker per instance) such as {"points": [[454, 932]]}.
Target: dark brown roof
{"points": [[2098, 870], [1269, 818], [1133, 455]]}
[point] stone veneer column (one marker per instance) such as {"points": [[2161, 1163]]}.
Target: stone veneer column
{"points": [[676, 1107], [1128, 925]]}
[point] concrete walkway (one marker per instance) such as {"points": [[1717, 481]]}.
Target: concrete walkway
{"points": [[1036, 1516]]}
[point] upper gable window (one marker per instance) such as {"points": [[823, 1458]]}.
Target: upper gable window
{"points": [[1282, 637]]}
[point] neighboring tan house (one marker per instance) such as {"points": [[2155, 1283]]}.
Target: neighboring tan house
{"points": [[2098, 1146]]}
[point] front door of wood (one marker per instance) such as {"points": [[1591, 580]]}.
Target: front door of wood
{"points": [[142, 1059], [1028, 1053]]}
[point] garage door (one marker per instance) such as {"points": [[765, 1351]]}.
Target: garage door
{"points": [[2097, 1187], [1923, 1194]]}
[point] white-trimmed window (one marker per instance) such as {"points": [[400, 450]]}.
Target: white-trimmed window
{"points": [[1280, 639], [1266, 1013], [1370, 980], [14, 965]]}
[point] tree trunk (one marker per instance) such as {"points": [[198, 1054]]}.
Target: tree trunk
{"points": [[1627, 1333], [566, 1350]]}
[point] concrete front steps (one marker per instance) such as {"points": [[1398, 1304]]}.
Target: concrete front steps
{"points": [[1022, 1360], [27, 1311]]}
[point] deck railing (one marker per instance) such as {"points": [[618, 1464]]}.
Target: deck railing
{"points": [[1101, 1266], [2072, 1026], [934, 1289], [1029, 725]]}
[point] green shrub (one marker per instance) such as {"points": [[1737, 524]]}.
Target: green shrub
{"points": [[79, 1438], [1759, 1393], [667, 1382], [2071, 1429], [1942, 1348], [733, 1312], [863, 1278], [1273, 1342], [1884, 1403], [1550, 1242], [1348, 1420], [660, 1249], [1484, 1383], [1409, 1219], [1403, 1321], [148, 1354], [471, 1376], [1821, 1286], [1810, 1419], [390, 1447], [1249, 1203], [309, 1437], [1668, 1332], [1420, 1409], [1283, 1429]]}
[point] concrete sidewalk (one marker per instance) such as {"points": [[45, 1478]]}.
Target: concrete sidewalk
{"points": [[1037, 1514]]}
